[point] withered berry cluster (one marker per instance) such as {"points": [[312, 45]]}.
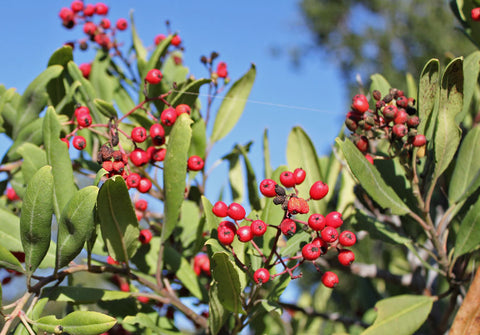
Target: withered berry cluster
{"points": [[394, 118], [323, 230]]}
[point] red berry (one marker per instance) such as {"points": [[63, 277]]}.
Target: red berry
{"points": [[236, 211], [64, 140], [399, 130], [369, 158], [401, 117], [176, 40], [158, 155], [330, 279], [103, 40], [329, 234], [362, 144], [267, 188], [195, 163], [419, 140], [79, 142], [316, 222], [157, 133], [89, 28], [154, 76], [334, 219], [101, 9], [347, 238], [145, 236], [141, 205], [89, 10], [105, 23], [245, 234], [346, 257], [222, 70], [85, 68], [139, 157], [76, 6], [475, 13], [80, 111], [183, 108], [298, 205], [202, 263], [124, 287], [144, 185], [287, 179], [321, 244], [258, 227], [133, 180], [360, 103], [220, 209], [299, 175], [226, 232], [311, 252], [122, 24], [318, 190], [288, 227], [159, 38], [261, 276], [66, 14], [84, 120], [12, 195], [389, 112], [111, 261], [413, 121], [402, 101], [143, 300], [108, 166], [139, 134], [168, 116]]}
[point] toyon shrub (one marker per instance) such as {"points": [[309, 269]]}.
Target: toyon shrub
{"points": [[116, 234]]}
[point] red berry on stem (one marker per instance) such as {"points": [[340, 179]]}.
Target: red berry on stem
{"points": [[334, 219], [329, 234], [139, 157], [318, 190], [143, 300], [195, 163], [267, 188], [245, 234], [287, 179], [360, 103], [288, 227], [299, 175], [176, 40], [101, 9], [347, 238], [79, 142], [89, 10], [122, 24], [89, 28], [84, 120], [158, 155], [258, 227], [183, 108], [108, 166], [419, 140], [168, 116], [362, 144], [159, 38], [139, 134], [401, 117], [76, 6], [133, 180], [330, 279], [311, 252], [321, 244], [105, 23], [236, 211], [475, 13], [226, 232], [145, 236], [316, 222], [141, 205], [86, 69], [12, 195], [220, 209], [346, 257], [222, 70], [399, 130], [144, 185], [154, 76], [66, 14], [157, 133], [261, 276]]}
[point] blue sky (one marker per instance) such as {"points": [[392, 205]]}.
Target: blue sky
{"points": [[241, 32]]}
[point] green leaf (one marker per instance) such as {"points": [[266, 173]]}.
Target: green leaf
{"points": [[35, 98], [36, 218], [32, 314], [468, 236], [76, 323], [33, 159], [370, 179], [118, 221], [379, 83], [302, 154], [235, 175], [100, 76], [447, 132], [217, 315], [10, 231], [404, 313], [172, 71], [155, 61], [59, 159], [31, 133], [228, 282], [198, 145], [232, 105], [147, 324], [106, 108], [466, 175], [411, 86], [211, 221], [428, 93], [471, 70], [175, 172], [377, 230], [188, 94], [76, 225], [83, 295], [61, 56], [140, 51], [252, 186], [188, 225], [9, 261]]}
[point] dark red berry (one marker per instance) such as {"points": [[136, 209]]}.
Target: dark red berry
{"points": [[79, 142], [288, 227], [145, 236], [401, 117], [360, 103], [413, 121], [261, 276], [236, 211], [419, 140], [82, 110], [258, 227], [195, 163], [287, 178], [334, 219], [346, 257], [316, 222], [245, 234], [139, 134], [122, 24], [267, 188], [84, 120], [141, 205], [311, 252], [318, 190], [347, 238], [144, 185], [139, 157], [133, 180], [362, 144], [389, 112], [330, 279], [220, 209], [154, 76], [329, 234], [299, 175], [157, 133], [168, 116], [399, 130]]}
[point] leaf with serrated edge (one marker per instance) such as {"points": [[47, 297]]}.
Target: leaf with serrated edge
{"points": [[370, 179], [232, 105], [118, 221], [228, 282], [36, 218], [404, 313], [77, 323]]}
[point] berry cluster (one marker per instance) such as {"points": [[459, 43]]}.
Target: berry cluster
{"points": [[323, 230], [394, 118]]}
